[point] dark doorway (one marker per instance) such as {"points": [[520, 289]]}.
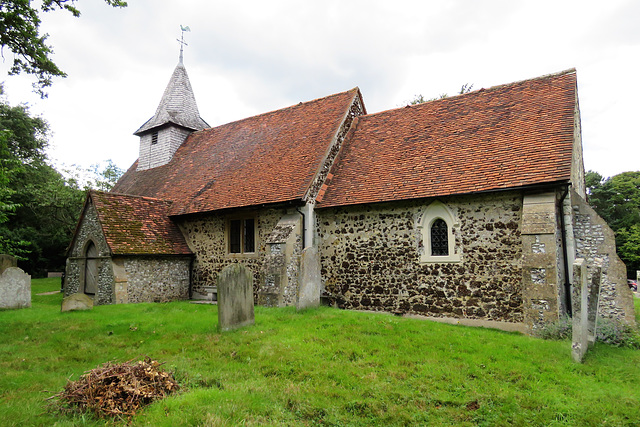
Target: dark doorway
{"points": [[91, 270]]}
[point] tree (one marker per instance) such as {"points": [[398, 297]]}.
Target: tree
{"points": [[22, 144], [39, 207], [419, 99], [20, 34], [104, 177], [617, 201]]}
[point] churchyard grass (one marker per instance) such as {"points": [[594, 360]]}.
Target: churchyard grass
{"points": [[321, 366]]}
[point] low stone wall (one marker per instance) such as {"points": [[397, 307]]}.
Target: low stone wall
{"points": [[370, 259], [151, 279]]}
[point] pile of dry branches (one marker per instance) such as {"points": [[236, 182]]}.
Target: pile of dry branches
{"points": [[117, 389]]}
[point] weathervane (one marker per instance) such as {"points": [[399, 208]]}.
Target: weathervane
{"points": [[181, 40]]}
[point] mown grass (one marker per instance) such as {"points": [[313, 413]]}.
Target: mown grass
{"points": [[322, 366]]}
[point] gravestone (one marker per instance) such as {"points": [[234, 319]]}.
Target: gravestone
{"points": [[235, 297], [15, 288], [7, 261], [310, 283], [594, 297], [580, 311], [76, 302]]}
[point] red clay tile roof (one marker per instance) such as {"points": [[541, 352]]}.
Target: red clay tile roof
{"points": [[507, 136], [135, 225], [269, 158]]}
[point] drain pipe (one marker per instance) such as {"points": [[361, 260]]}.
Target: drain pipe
{"points": [[304, 228], [563, 233]]}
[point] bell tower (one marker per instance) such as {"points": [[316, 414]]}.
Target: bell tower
{"points": [[176, 117]]}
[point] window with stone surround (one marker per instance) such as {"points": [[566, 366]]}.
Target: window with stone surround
{"points": [[439, 238], [437, 228], [241, 235]]}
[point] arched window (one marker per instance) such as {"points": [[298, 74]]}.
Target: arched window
{"points": [[439, 238], [438, 234]]}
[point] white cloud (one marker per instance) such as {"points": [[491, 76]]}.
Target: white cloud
{"points": [[248, 57]]}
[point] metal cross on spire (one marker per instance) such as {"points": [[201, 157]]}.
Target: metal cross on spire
{"points": [[181, 40]]}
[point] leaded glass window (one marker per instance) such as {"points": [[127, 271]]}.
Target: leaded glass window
{"points": [[242, 236], [439, 238]]}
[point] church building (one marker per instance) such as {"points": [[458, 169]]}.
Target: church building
{"points": [[468, 207]]}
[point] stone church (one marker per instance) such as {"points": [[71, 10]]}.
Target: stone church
{"points": [[469, 207]]}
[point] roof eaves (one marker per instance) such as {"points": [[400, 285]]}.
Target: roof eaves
{"points": [[524, 187]]}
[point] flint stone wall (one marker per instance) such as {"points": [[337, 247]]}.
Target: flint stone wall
{"points": [[90, 230], [281, 267], [128, 279], [542, 274], [595, 240], [152, 279], [207, 239], [370, 259]]}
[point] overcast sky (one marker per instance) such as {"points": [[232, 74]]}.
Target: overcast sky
{"points": [[249, 57]]}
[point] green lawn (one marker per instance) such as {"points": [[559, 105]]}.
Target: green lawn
{"points": [[322, 366]]}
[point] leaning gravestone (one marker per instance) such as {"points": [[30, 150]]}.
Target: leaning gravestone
{"points": [[15, 288], [235, 297], [310, 283], [593, 300], [580, 320], [76, 302]]}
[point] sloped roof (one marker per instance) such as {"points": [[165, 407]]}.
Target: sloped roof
{"points": [[138, 225], [269, 158], [508, 136], [177, 106]]}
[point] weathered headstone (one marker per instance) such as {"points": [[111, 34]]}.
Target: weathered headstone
{"points": [[7, 261], [594, 297], [235, 297], [310, 283], [580, 311], [15, 288], [76, 302]]}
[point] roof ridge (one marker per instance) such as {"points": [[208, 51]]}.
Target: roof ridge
{"points": [[543, 77], [109, 193], [496, 87], [301, 103]]}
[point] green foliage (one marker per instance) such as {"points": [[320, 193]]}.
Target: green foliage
{"points": [[39, 207], [608, 331], [617, 200], [104, 177], [616, 333], [323, 366], [558, 330], [419, 98], [20, 34]]}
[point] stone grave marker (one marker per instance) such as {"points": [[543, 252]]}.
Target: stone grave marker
{"points": [[310, 283], [76, 302], [235, 297], [580, 311], [594, 297], [15, 288]]}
